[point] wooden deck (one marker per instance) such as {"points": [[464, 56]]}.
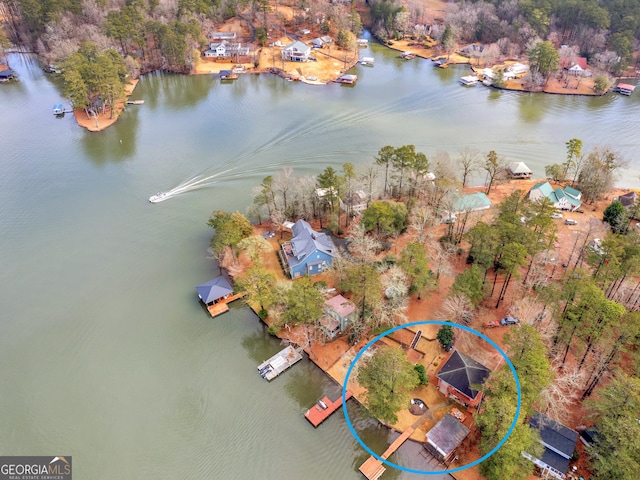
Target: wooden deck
{"points": [[222, 307], [277, 364], [373, 468], [318, 414]]}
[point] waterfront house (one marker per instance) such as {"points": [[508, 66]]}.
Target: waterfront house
{"points": [[559, 444], [446, 435], [565, 199], [308, 252], [339, 314], [576, 66], [225, 49], [473, 202], [517, 69], [518, 170], [296, 52], [356, 202], [459, 377]]}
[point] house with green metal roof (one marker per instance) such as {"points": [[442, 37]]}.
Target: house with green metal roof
{"points": [[564, 199], [471, 203]]}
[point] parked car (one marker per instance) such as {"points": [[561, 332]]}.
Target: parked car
{"points": [[579, 210], [570, 221], [556, 215], [509, 321]]}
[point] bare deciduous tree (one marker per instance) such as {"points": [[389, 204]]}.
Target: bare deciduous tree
{"points": [[458, 309]]}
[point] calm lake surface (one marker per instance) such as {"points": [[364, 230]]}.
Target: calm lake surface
{"points": [[105, 353]]}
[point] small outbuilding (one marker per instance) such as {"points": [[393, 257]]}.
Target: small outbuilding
{"points": [[443, 439]]}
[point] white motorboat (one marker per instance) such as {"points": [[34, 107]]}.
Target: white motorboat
{"points": [[158, 197]]}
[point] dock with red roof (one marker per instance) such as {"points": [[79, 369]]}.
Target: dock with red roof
{"points": [[324, 408]]}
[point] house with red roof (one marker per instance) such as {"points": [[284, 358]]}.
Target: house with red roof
{"points": [[339, 314], [575, 66]]}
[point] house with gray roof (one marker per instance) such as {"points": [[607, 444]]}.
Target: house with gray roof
{"points": [[296, 52], [459, 378], [559, 444], [564, 199], [308, 252], [446, 435]]}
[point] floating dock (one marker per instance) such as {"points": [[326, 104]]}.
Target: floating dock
{"points": [[323, 409], [373, 468], [277, 364]]}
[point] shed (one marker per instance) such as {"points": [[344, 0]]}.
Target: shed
{"points": [[442, 440]]}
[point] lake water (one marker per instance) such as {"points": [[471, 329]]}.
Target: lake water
{"points": [[105, 353]]}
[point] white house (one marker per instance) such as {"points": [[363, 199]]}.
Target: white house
{"points": [[518, 68], [296, 52], [226, 49], [567, 199]]}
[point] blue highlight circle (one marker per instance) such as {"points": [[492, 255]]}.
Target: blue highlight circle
{"points": [[438, 472]]}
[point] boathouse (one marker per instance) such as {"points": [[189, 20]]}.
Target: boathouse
{"points": [[6, 75], [347, 78], [459, 376], [443, 439], [518, 170], [559, 444], [215, 294], [308, 252], [623, 88], [58, 109], [227, 75]]}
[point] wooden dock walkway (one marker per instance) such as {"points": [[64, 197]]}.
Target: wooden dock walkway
{"points": [[221, 306], [373, 468], [277, 364], [319, 413]]}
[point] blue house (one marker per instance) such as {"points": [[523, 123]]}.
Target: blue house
{"points": [[308, 253]]}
